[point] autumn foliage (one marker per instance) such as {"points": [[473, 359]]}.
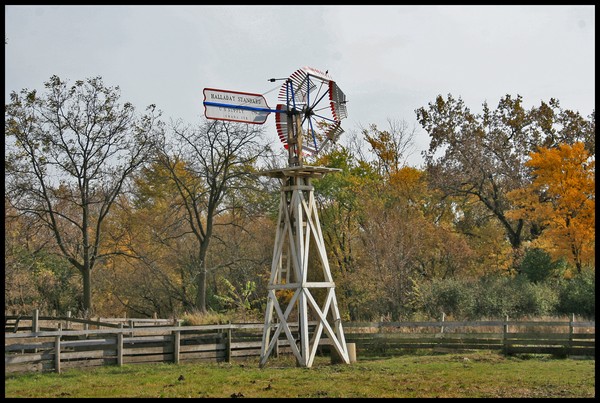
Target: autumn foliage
{"points": [[499, 220], [561, 198]]}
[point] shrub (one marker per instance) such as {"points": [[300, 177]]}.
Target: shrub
{"points": [[537, 265], [496, 297], [535, 299], [451, 296], [578, 295], [197, 318]]}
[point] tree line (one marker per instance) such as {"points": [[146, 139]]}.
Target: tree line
{"points": [[109, 211]]}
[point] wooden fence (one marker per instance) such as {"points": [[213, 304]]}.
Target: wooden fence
{"points": [[104, 343], [561, 338]]}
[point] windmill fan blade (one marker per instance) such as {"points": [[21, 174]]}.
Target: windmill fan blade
{"points": [[338, 101], [281, 124], [334, 134], [316, 73], [302, 83]]}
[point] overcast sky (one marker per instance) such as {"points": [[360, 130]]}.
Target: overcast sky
{"points": [[388, 60]]}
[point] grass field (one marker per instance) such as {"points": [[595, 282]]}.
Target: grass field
{"points": [[478, 374]]}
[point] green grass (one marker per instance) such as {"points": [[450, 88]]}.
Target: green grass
{"points": [[478, 374]]}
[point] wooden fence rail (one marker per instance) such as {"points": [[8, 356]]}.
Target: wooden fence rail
{"points": [[34, 323], [58, 349]]}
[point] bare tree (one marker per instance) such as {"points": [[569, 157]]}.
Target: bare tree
{"points": [[391, 147], [68, 155], [209, 164]]}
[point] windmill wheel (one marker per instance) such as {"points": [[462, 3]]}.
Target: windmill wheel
{"points": [[314, 106]]}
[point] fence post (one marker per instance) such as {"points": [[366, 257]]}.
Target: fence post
{"points": [[57, 350], [571, 332], [67, 322], [35, 324], [443, 318], [120, 346], [228, 344], [35, 321], [504, 335], [176, 344]]}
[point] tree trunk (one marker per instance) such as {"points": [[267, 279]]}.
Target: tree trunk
{"points": [[201, 292], [87, 291]]}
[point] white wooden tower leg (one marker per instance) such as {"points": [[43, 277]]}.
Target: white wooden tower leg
{"points": [[298, 224]]}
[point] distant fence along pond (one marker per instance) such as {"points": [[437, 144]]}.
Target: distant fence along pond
{"points": [[58, 344]]}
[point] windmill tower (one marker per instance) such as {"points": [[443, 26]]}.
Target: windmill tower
{"points": [[300, 285]]}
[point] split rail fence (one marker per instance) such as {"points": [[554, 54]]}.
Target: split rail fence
{"points": [[29, 347]]}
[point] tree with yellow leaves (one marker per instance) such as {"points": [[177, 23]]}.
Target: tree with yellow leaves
{"points": [[562, 199]]}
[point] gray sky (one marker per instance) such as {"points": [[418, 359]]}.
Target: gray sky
{"points": [[388, 60]]}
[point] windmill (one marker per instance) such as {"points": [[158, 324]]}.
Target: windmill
{"points": [[300, 285]]}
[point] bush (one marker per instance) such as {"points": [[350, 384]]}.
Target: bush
{"points": [[451, 296], [498, 297], [578, 295], [538, 266], [198, 318], [535, 299]]}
